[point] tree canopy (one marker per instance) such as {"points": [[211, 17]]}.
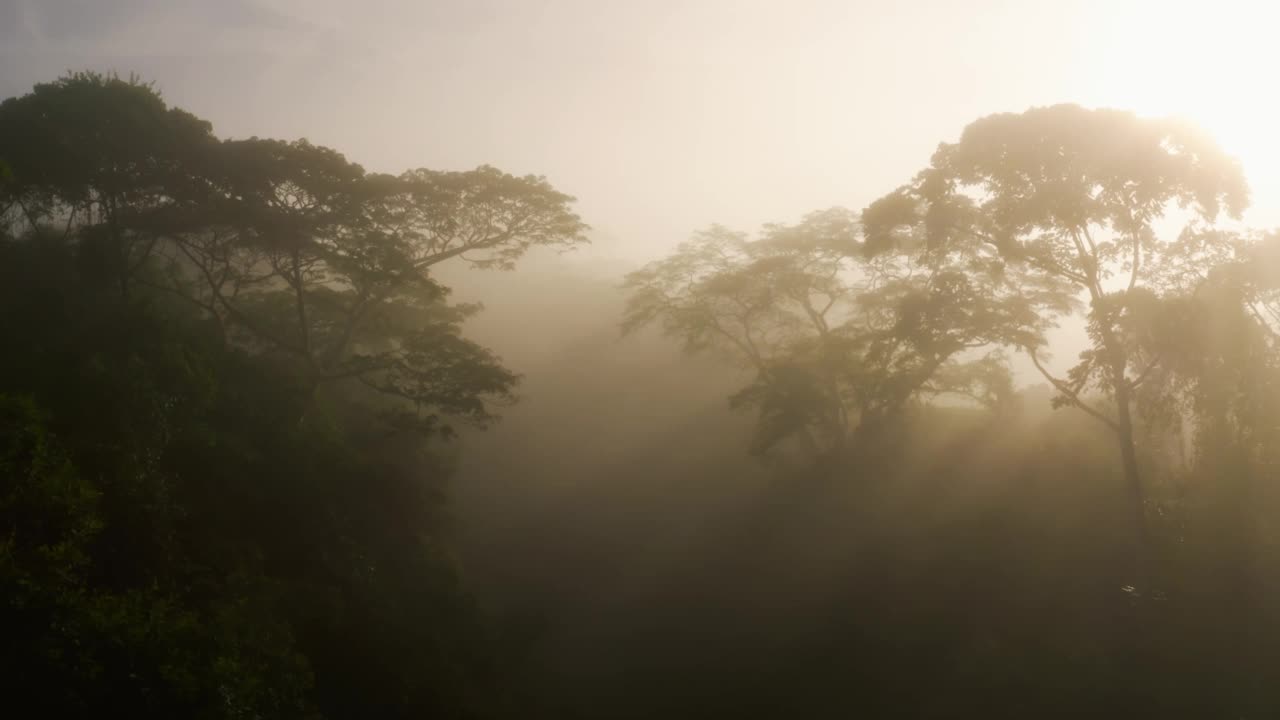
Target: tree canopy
{"points": [[842, 333], [1073, 198], [289, 248], [219, 497], [233, 370]]}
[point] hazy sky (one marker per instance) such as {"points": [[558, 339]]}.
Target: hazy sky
{"points": [[664, 116]]}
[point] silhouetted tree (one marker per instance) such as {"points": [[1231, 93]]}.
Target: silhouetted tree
{"points": [[1074, 196], [291, 249], [199, 515], [842, 334]]}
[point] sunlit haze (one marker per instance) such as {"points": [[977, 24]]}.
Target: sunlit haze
{"points": [[637, 359], [662, 116]]}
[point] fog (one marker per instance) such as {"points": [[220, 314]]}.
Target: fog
{"points": [[663, 117], [688, 359], [642, 564]]}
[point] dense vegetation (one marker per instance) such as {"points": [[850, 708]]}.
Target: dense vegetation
{"points": [[228, 361], [230, 404]]}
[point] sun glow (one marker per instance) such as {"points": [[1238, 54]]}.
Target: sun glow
{"points": [[1212, 63]]}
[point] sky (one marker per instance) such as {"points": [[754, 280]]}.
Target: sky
{"points": [[660, 116]]}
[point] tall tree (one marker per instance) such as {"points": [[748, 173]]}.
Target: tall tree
{"points": [[1076, 196], [289, 248], [197, 516], [86, 156], [841, 334]]}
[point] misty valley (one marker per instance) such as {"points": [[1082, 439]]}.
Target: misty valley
{"points": [[285, 437]]}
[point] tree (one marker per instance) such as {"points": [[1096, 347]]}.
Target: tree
{"points": [[1215, 329], [290, 249], [88, 154], [199, 514], [112, 596], [1074, 197], [841, 333]]}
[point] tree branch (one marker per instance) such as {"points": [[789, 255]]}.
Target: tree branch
{"points": [[483, 243], [1088, 236], [1143, 375], [300, 305], [215, 288], [66, 230], [27, 213], [1068, 393], [353, 316], [1137, 262], [1090, 263]]}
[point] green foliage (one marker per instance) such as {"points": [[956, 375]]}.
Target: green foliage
{"points": [[217, 498]]}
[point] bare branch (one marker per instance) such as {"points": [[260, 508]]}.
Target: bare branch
{"points": [[1068, 393], [1137, 262], [215, 287], [1145, 373]]}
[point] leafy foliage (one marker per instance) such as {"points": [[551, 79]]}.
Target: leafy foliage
{"points": [[841, 333], [222, 493], [210, 505], [1071, 197], [291, 249]]}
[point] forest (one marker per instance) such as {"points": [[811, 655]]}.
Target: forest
{"points": [[264, 452]]}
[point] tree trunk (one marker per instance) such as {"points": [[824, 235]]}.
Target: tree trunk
{"points": [[1133, 483]]}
